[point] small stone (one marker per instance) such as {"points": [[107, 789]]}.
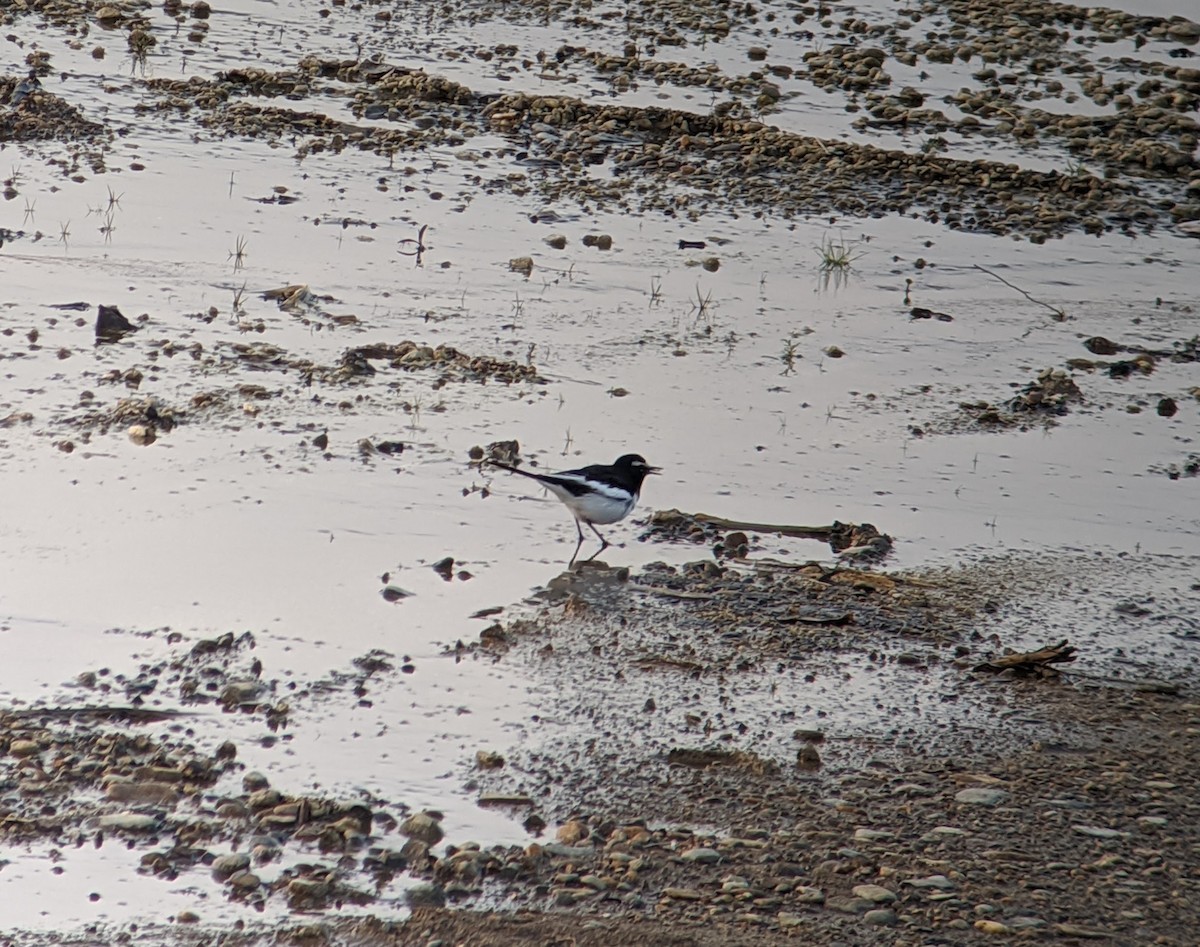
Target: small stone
{"points": [[111, 324], [876, 893], [992, 927], [243, 693], [711, 264], [808, 758], [23, 748], [153, 793], [807, 895], [253, 781], [142, 434], [683, 894], [187, 917], [705, 856], [786, 920], [850, 905], [425, 895], [1096, 831], [559, 850], [422, 826], [882, 917], [244, 880], [872, 835], [1076, 930], [940, 882], [225, 867], [980, 796], [129, 822], [264, 799], [557, 241], [572, 832]]}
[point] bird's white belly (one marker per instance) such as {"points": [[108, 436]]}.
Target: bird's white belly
{"points": [[599, 509]]}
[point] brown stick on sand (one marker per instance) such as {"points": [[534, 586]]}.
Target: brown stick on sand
{"points": [[671, 517], [1036, 661]]}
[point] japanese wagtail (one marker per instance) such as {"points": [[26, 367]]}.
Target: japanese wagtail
{"points": [[600, 493]]}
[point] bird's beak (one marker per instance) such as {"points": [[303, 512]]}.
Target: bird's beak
{"points": [[653, 470]]}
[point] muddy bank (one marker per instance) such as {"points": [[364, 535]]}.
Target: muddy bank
{"points": [[720, 786]]}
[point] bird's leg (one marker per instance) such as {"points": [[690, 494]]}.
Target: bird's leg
{"points": [[604, 543], [594, 555], [578, 544]]}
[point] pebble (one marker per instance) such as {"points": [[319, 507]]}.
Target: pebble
{"points": [[807, 895], [568, 851], [238, 693], [980, 796], [875, 893], [23, 748], [1076, 930], [571, 832], [225, 866], [264, 799], [683, 894], [245, 880], [148, 792], [425, 896], [850, 905], [941, 882], [254, 781], [882, 917], [423, 827], [992, 927], [705, 856], [1096, 831], [129, 822]]}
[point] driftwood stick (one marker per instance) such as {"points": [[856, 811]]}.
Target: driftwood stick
{"points": [[1032, 660], [667, 517]]}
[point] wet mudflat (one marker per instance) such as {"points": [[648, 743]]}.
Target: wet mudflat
{"points": [[283, 660]]}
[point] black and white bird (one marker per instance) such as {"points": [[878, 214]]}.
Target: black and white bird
{"points": [[599, 493]]}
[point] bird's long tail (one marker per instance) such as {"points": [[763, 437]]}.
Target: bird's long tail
{"points": [[517, 470]]}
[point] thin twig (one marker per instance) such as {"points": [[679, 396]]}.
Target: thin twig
{"points": [[1061, 314]]}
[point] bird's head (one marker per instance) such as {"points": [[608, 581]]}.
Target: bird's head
{"points": [[636, 464]]}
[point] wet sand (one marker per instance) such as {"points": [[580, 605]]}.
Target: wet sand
{"points": [[929, 269]]}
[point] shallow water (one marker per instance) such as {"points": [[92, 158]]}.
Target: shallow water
{"points": [[237, 522]]}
